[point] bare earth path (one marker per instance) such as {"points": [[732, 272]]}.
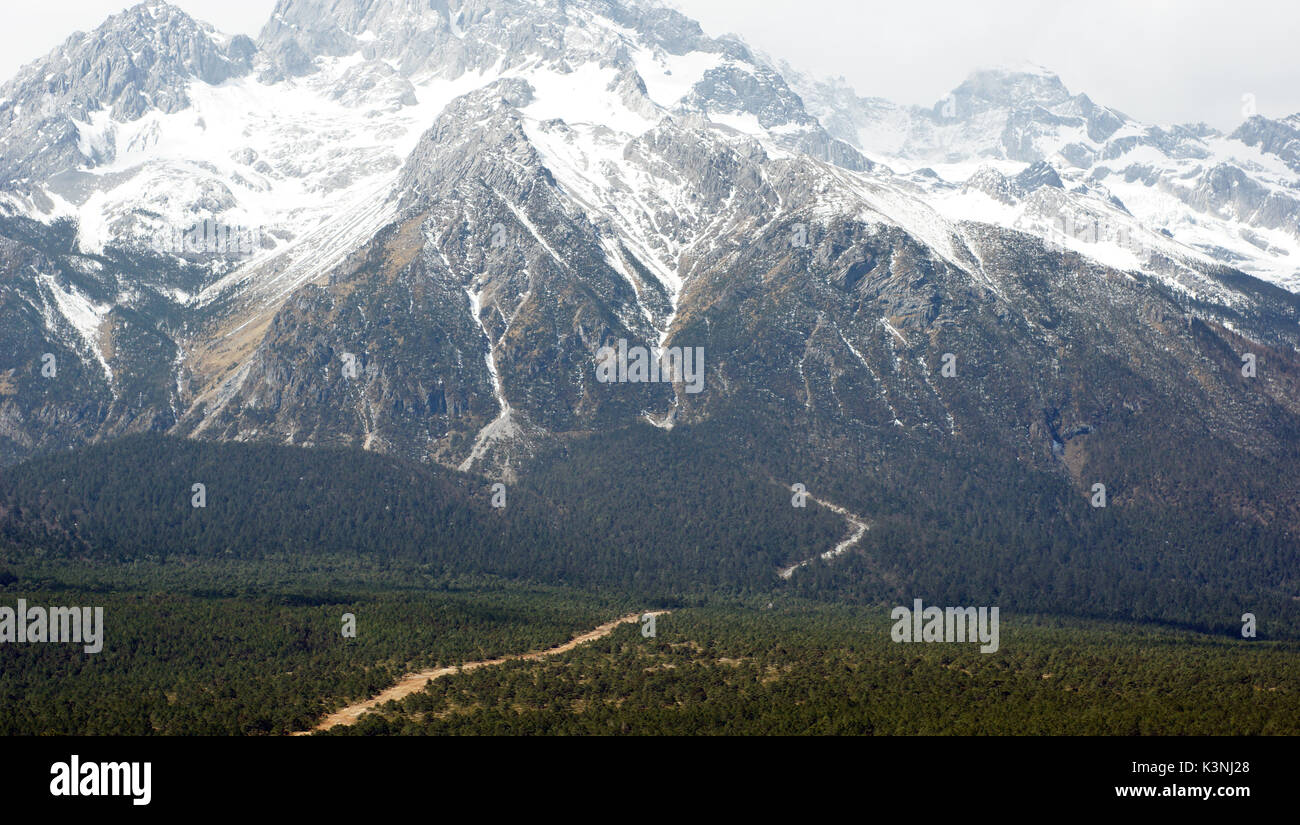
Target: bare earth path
{"points": [[414, 682], [859, 529]]}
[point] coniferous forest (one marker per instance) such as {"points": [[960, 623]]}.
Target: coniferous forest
{"points": [[226, 618]]}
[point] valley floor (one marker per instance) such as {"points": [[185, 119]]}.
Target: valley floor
{"points": [[415, 682], [244, 648], [834, 671]]}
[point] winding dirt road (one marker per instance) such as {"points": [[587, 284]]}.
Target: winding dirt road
{"points": [[859, 530], [414, 682]]}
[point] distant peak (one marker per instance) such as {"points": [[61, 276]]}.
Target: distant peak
{"points": [[1024, 67], [1024, 84], [139, 59], [153, 9]]}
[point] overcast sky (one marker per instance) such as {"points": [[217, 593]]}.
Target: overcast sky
{"points": [[1164, 61]]}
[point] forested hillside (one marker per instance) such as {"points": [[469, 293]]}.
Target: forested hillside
{"points": [[681, 519]]}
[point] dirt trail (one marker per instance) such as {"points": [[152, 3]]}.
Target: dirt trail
{"points": [[414, 682], [859, 530]]}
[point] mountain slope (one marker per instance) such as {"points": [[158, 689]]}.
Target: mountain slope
{"points": [[468, 203]]}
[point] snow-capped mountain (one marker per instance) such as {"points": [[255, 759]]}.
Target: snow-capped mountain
{"points": [[1234, 198], [454, 206]]}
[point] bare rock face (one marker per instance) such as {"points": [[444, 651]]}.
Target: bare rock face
{"points": [[1275, 137], [473, 201], [139, 60]]}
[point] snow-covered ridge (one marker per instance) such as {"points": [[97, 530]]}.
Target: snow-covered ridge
{"points": [[646, 178], [306, 146], [1232, 199]]}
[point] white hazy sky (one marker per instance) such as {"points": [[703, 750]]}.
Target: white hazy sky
{"points": [[1163, 61]]}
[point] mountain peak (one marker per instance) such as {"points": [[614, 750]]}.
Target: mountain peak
{"points": [[451, 37], [1016, 86], [1022, 68], [137, 59]]}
